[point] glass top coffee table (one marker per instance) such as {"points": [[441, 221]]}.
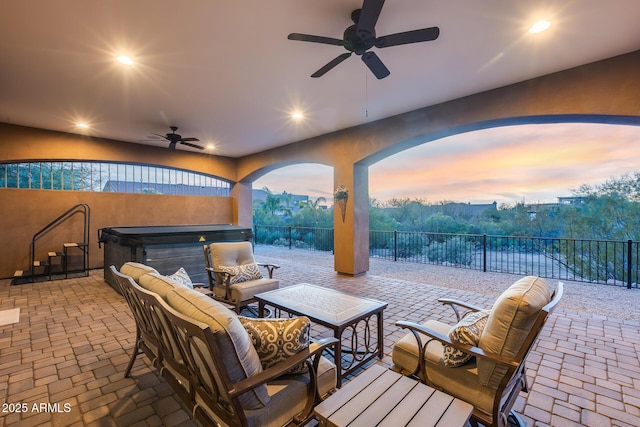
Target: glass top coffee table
{"points": [[356, 322]]}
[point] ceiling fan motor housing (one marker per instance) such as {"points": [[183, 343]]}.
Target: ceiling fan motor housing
{"points": [[358, 42]]}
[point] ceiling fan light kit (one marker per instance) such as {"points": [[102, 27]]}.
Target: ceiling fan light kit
{"points": [[361, 37]]}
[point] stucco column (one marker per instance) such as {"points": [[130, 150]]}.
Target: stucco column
{"points": [[351, 238], [241, 194]]}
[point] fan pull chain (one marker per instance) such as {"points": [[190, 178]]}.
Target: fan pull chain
{"points": [[366, 94]]}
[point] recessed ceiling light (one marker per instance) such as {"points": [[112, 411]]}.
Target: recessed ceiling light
{"points": [[539, 26], [82, 125], [297, 115], [124, 59], [210, 147]]}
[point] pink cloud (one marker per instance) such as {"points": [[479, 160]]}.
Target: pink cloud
{"points": [[506, 164]]}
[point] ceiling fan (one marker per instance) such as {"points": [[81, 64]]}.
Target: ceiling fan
{"points": [[174, 139], [361, 37]]}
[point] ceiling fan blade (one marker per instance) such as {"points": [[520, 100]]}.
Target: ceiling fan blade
{"points": [[189, 139], [415, 36], [157, 134], [192, 145], [315, 39], [369, 16], [331, 64], [375, 65]]}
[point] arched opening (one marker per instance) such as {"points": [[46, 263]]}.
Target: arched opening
{"points": [[532, 160], [312, 180], [292, 206], [508, 164]]}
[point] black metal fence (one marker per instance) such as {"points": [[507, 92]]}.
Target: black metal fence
{"points": [[595, 261], [314, 238]]}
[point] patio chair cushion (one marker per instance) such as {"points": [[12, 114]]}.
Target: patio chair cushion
{"points": [[405, 351], [135, 270], [239, 357], [467, 331], [285, 395], [232, 253], [278, 339], [158, 284], [511, 318], [181, 276], [461, 382], [242, 273], [246, 290]]}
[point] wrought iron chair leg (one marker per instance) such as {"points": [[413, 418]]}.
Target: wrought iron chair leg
{"points": [[514, 420], [136, 351], [254, 311]]}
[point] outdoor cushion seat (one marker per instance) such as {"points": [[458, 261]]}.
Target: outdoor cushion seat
{"points": [[158, 284], [495, 375], [135, 270], [244, 292], [153, 335], [234, 276], [208, 357], [236, 350], [229, 359]]}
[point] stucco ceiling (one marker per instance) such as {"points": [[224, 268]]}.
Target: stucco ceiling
{"points": [[224, 71]]}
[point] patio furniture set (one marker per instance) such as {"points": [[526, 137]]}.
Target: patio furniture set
{"points": [[236, 370]]}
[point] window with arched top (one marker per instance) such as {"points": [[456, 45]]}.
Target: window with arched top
{"points": [[110, 177]]}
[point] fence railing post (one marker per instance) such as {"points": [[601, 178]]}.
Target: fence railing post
{"points": [[484, 253], [395, 245], [629, 262]]}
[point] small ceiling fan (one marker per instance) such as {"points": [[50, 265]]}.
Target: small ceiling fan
{"points": [[174, 139], [361, 37]]}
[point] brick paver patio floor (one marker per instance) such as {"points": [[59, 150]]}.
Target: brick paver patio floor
{"points": [[62, 364]]}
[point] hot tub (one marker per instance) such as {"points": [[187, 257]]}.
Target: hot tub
{"points": [[166, 248]]}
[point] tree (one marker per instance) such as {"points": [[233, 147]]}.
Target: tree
{"points": [[441, 223], [408, 213], [47, 175], [275, 204], [311, 214], [379, 220], [609, 211]]}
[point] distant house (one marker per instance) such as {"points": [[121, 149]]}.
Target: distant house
{"points": [[461, 210], [532, 209], [571, 200], [466, 209]]}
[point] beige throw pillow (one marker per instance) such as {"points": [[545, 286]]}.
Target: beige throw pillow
{"points": [[181, 276], [467, 331], [242, 272], [277, 339]]}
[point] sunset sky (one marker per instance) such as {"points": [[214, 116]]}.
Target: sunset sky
{"points": [[534, 163]]}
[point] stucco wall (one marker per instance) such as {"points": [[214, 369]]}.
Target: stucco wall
{"points": [[24, 143], [25, 212]]}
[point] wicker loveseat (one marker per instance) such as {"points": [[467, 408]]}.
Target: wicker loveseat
{"points": [[206, 352]]}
